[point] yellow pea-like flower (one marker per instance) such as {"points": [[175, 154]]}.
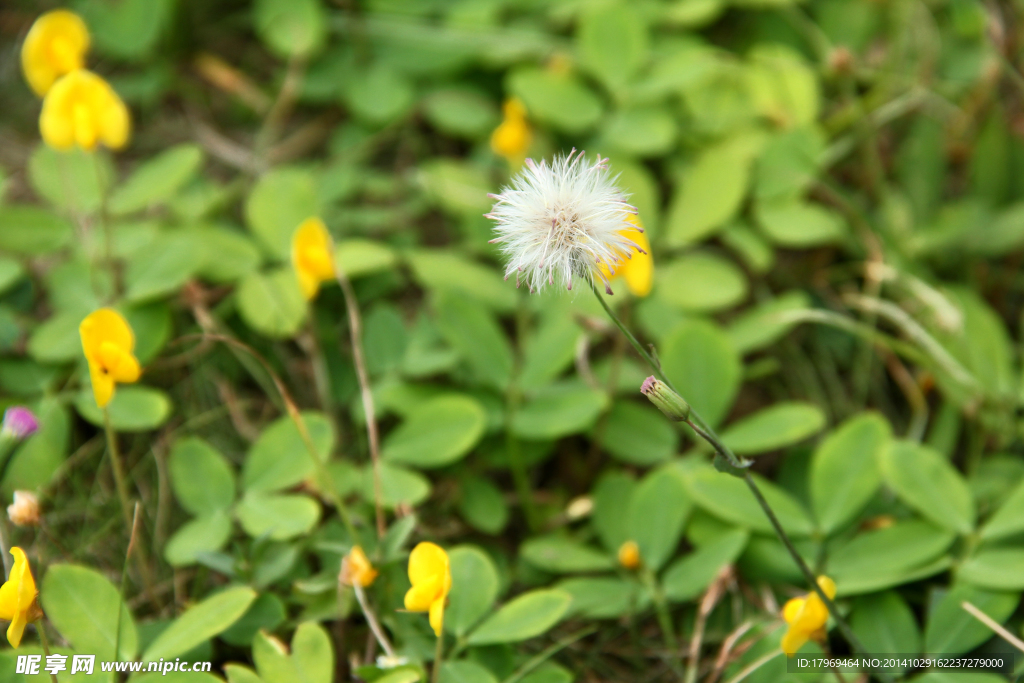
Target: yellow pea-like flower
{"points": [[55, 45], [629, 555], [512, 138], [108, 343], [431, 578], [637, 267], [82, 109], [312, 256], [356, 569], [18, 598], [806, 617]]}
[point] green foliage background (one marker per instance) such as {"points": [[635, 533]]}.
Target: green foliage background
{"points": [[833, 191]]}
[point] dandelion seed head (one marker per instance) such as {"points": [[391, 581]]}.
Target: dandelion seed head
{"points": [[561, 221]]}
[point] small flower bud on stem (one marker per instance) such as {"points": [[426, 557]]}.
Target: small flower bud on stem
{"points": [[666, 400]]}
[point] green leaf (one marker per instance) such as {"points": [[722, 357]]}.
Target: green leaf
{"points": [[549, 351], [278, 516], [788, 163], [312, 653], [784, 88], [229, 254], [10, 272], [712, 191], [361, 257], [200, 622], [465, 671], [603, 597], [73, 180], [885, 623], [437, 433], [291, 27], [795, 224], [845, 469], [56, 340], [559, 410], [267, 612], [473, 331], [482, 504], [953, 630], [704, 367], [689, 576], [529, 615], [994, 568], [38, 459], [881, 558], [281, 199], [657, 512], [926, 481], [612, 494], [641, 131], [133, 408], [32, 231], [163, 265], [561, 555], [760, 326], [156, 180], [83, 605], [446, 271], [780, 425], [1008, 519], [474, 589], [556, 99], [379, 95], [460, 112], [399, 486], [271, 303], [701, 282], [280, 458], [729, 498], [128, 30], [206, 534], [201, 477], [639, 434], [612, 43]]}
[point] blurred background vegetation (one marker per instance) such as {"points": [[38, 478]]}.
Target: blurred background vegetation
{"points": [[834, 193]]}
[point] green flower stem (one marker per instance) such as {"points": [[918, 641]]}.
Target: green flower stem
{"points": [[118, 467], [664, 619], [45, 642], [708, 434], [435, 674]]}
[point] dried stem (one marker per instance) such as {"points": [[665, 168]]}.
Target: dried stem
{"points": [[371, 619]]}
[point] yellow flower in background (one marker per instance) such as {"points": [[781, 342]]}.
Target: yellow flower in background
{"points": [[108, 343], [82, 109], [431, 579], [629, 555], [512, 138], [356, 569], [55, 45], [312, 256], [637, 267], [18, 598], [806, 617]]}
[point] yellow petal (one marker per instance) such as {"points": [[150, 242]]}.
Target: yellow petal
{"points": [[312, 255], [55, 45], [828, 586], [81, 108], [102, 385], [791, 610], [105, 326], [793, 641], [427, 562], [17, 629], [422, 595], [437, 616]]}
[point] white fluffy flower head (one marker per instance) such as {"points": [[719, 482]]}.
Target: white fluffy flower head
{"points": [[563, 221]]}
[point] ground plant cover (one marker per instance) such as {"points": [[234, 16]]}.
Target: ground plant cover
{"points": [[511, 341]]}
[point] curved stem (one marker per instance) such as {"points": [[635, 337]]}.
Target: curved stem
{"points": [[435, 674], [703, 430]]}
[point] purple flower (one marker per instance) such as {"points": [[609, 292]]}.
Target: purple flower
{"points": [[19, 422]]}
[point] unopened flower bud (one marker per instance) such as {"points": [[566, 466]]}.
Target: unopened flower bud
{"points": [[629, 555], [666, 400], [24, 511], [356, 569], [579, 508], [19, 423]]}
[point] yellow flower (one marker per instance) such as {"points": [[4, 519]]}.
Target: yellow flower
{"points": [[431, 579], [55, 45], [356, 569], [806, 617], [108, 343], [18, 598], [637, 268], [82, 109], [312, 256], [629, 555], [512, 138]]}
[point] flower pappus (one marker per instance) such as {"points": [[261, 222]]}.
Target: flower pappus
{"points": [[561, 221], [806, 617], [24, 511]]}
